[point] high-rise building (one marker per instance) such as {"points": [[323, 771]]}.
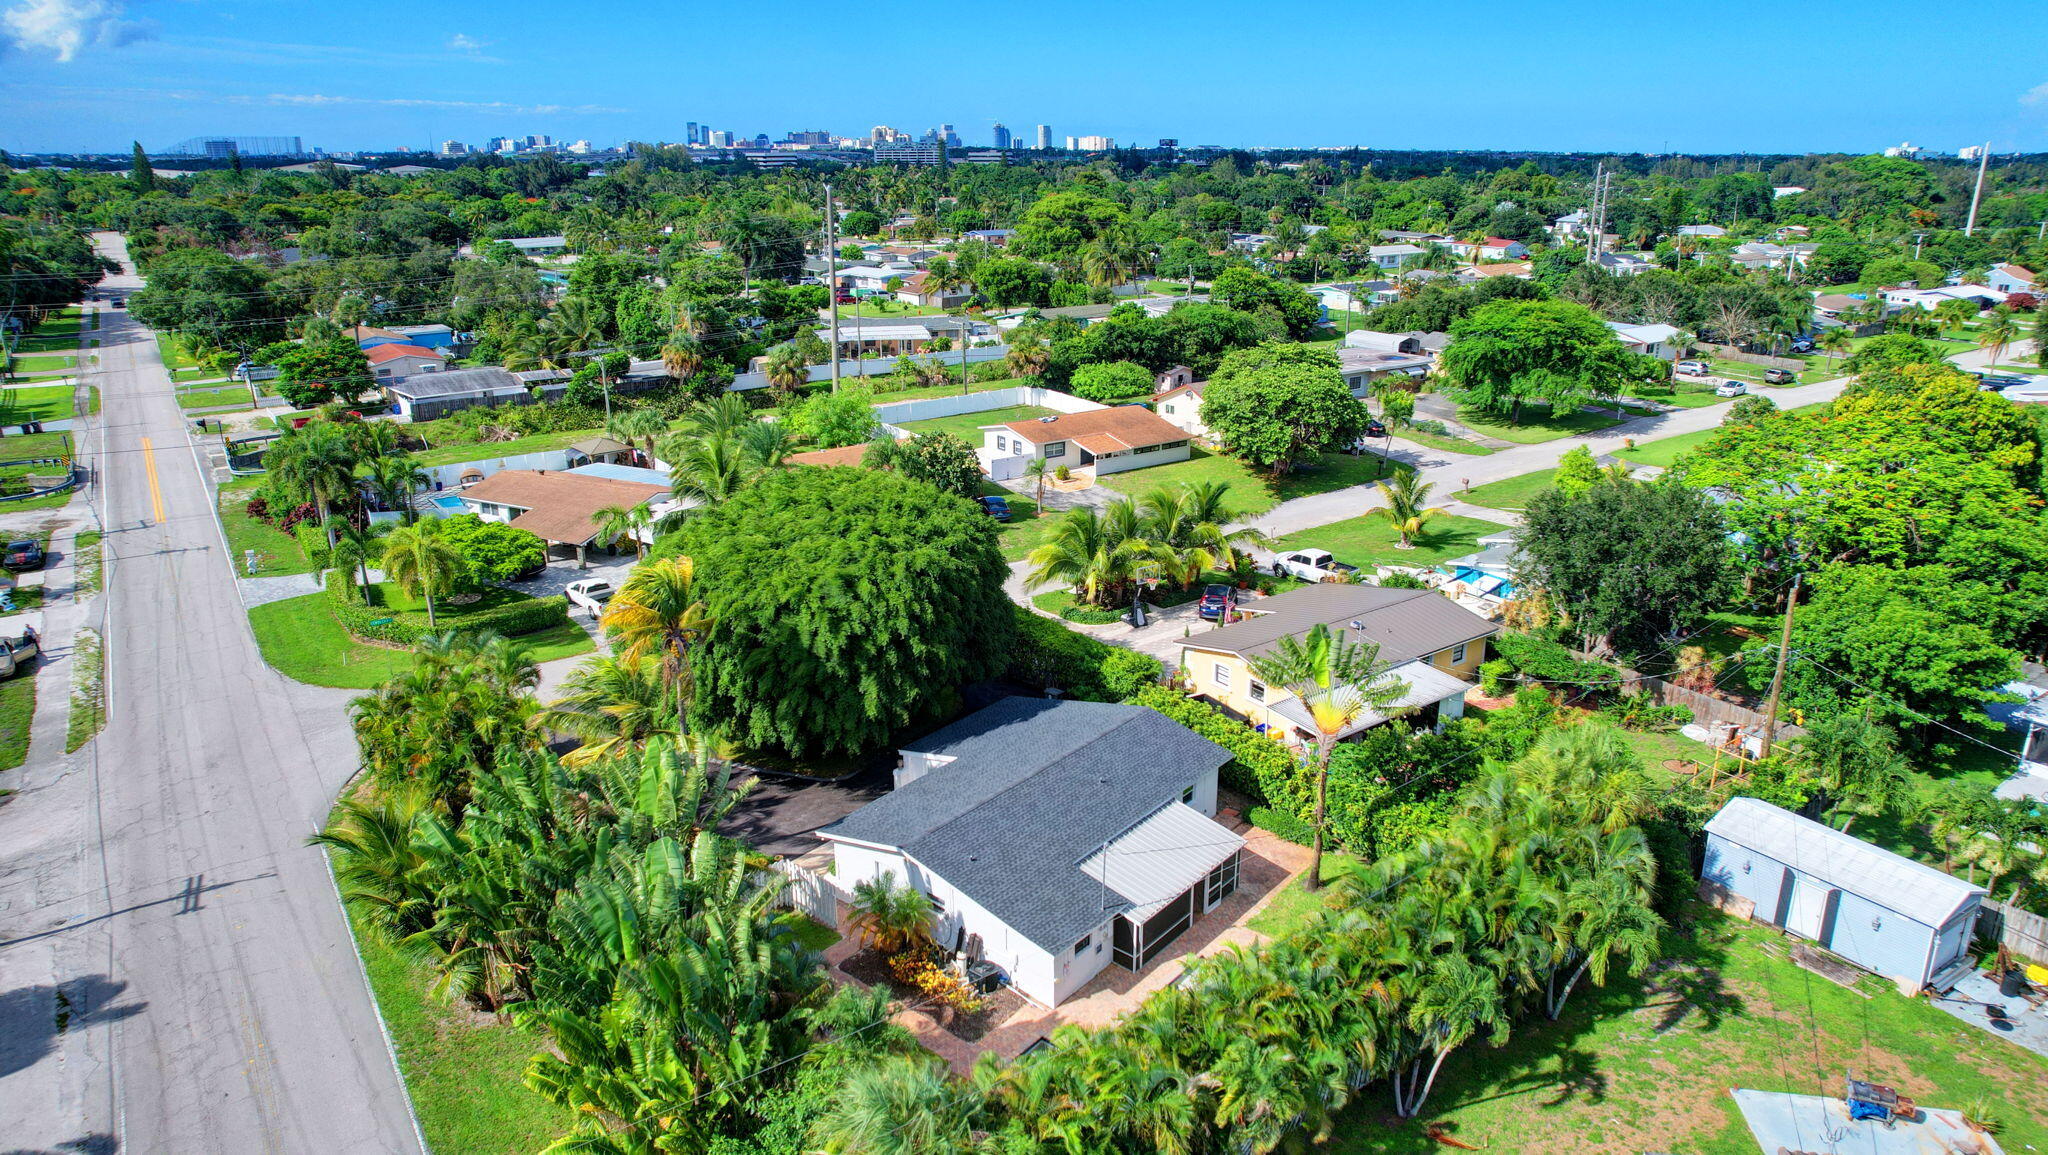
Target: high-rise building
{"points": [[1093, 143], [226, 146], [813, 136], [690, 132], [1044, 136], [1002, 135], [1970, 152], [1073, 143], [760, 140], [453, 148], [582, 148], [883, 134], [947, 136], [911, 153], [719, 138], [540, 140], [1169, 143]]}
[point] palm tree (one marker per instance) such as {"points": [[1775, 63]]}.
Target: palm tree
{"points": [[1027, 358], [1405, 492], [905, 1105], [639, 426], [394, 480], [727, 413], [1998, 330], [1834, 342], [318, 459], [1454, 1000], [1857, 765], [615, 705], [420, 559], [766, 444], [891, 919], [1037, 470], [1337, 681], [624, 521], [572, 326], [1954, 316], [706, 471], [1100, 553], [786, 370], [353, 548], [683, 355], [657, 612], [1186, 522]]}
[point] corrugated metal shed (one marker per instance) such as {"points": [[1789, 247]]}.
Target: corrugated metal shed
{"points": [[1919, 892], [1157, 860]]}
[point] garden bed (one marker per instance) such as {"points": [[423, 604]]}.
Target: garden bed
{"points": [[868, 966]]}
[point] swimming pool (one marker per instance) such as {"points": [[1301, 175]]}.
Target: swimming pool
{"points": [[448, 504]]}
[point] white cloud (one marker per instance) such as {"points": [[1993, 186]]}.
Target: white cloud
{"points": [[2035, 95], [63, 28], [467, 45]]}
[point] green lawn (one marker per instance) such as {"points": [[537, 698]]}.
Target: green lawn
{"points": [[44, 365], [1511, 493], [17, 713], [1252, 492], [811, 933], [1645, 1064], [1367, 542], [563, 640], [181, 364], [59, 331], [1293, 907], [1817, 369], [1666, 450], [462, 1069], [967, 426], [1537, 424], [277, 552], [25, 403], [301, 639], [455, 452], [214, 397], [1666, 395], [1444, 444], [921, 392]]}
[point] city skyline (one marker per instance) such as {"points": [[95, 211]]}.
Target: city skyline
{"points": [[92, 75]]}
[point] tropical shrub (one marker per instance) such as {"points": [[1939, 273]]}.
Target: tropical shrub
{"points": [[1281, 824], [1112, 381], [1493, 676], [313, 542], [492, 551]]}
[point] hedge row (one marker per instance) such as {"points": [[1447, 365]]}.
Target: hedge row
{"points": [[1541, 660], [313, 543], [366, 621], [1259, 768], [1048, 655]]}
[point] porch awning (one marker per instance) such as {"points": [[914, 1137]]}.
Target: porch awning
{"points": [[1156, 861], [1426, 684]]}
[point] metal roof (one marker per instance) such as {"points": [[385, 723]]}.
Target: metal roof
{"points": [[485, 381], [1157, 860], [1897, 883], [624, 473], [1035, 787], [1425, 684]]}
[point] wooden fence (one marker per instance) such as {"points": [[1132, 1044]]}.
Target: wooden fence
{"points": [[1707, 710], [2025, 932]]}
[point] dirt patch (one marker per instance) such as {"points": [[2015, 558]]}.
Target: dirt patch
{"points": [[996, 1008]]}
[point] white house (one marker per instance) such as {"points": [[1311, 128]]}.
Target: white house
{"points": [[869, 279], [1502, 249], [1054, 838], [918, 290], [1882, 911], [1392, 256], [2011, 278], [1702, 231], [1622, 264], [1653, 340], [1571, 224], [1181, 407], [1982, 296], [1111, 440]]}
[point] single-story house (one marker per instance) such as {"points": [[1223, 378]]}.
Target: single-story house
{"points": [[1982, 296], [1392, 256], [1111, 440], [1432, 644], [897, 336], [1054, 838], [1622, 264], [1702, 231], [1572, 223], [1651, 340], [561, 508], [1882, 911], [870, 279], [1522, 269], [370, 336], [2011, 278], [1362, 367], [430, 395], [1415, 341], [996, 237], [538, 246], [917, 290], [1502, 249], [426, 336], [391, 364], [1181, 407], [1403, 237]]}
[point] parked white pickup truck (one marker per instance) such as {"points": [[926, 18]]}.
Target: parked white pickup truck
{"points": [[1313, 565], [591, 594]]}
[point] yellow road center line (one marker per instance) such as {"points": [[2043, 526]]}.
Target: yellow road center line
{"points": [[156, 493]]}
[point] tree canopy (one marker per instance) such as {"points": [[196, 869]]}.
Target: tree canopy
{"points": [[1277, 405]]}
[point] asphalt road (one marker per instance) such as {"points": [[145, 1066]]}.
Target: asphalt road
{"points": [[175, 971]]}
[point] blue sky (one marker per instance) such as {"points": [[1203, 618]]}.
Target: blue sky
{"points": [[1740, 76]]}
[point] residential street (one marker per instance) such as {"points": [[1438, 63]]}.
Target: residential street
{"points": [[175, 971]]}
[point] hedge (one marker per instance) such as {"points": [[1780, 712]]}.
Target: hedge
{"points": [[365, 621], [1259, 767], [1281, 825], [313, 543], [1541, 660], [1049, 655]]}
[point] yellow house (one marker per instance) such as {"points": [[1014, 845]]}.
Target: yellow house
{"points": [[1432, 644]]}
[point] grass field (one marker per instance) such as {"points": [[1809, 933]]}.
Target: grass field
{"points": [[59, 331], [456, 452], [1293, 907], [181, 364], [25, 403], [564, 640], [462, 1069], [17, 713], [967, 426], [920, 392], [1665, 395], [1251, 492], [214, 397], [44, 365], [277, 551], [1666, 450], [1511, 493], [1370, 541], [1537, 424], [301, 639], [1438, 441], [1645, 1064]]}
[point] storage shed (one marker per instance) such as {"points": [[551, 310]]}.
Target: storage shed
{"points": [[1882, 911]]}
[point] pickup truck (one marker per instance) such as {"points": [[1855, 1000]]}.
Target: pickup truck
{"points": [[18, 654], [1313, 565], [591, 594]]}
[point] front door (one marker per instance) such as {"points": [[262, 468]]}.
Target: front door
{"points": [[1808, 910]]}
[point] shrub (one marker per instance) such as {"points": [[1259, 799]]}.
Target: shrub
{"points": [[527, 616], [1281, 825], [1400, 826], [1047, 655], [1403, 580], [1427, 425], [1112, 381], [1546, 661], [313, 542], [1125, 672], [1062, 473], [1090, 615], [492, 551], [1493, 677], [1641, 712], [1259, 767]]}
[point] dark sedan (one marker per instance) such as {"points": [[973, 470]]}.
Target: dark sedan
{"points": [[1217, 600], [22, 555]]}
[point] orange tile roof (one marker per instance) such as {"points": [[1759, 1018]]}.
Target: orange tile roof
{"points": [[844, 455], [1119, 428], [378, 354], [560, 507]]}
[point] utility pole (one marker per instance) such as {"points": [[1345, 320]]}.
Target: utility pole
{"points": [[832, 281], [1976, 197], [1778, 675], [1592, 212]]}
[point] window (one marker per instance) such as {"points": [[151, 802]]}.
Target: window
{"points": [[1055, 449], [1002, 444], [1166, 408], [1221, 676], [1188, 795], [1083, 944], [1258, 691], [1458, 655]]}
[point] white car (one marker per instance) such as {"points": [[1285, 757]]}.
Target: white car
{"points": [[1730, 389], [1690, 368], [591, 594]]}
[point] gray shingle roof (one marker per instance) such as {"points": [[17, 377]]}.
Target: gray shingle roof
{"points": [[1407, 624], [1916, 890], [1036, 787], [482, 382]]}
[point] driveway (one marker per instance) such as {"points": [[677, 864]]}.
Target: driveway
{"points": [[782, 810]]}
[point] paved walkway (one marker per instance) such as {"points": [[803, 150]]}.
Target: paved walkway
{"points": [[261, 591]]}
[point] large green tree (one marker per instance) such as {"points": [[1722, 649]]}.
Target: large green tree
{"points": [[1277, 405], [848, 602], [1508, 353]]}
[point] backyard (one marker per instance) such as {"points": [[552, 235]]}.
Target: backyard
{"points": [[967, 426]]}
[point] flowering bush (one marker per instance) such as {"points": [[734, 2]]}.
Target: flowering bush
{"points": [[935, 982]]}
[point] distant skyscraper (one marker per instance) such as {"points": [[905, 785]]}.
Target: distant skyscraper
{"points": [[1093, 143], [720, 138], [1002, 136], [1044, 136], [690, 133], [1169, 143], [453, 148], [760, 140], [922, 153], [947, 135], [1970, 152], [223, 146], [1073, 143]]}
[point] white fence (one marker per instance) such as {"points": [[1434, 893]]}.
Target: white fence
{"points": [[810, 888], [449, 476], [924, 409]]}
